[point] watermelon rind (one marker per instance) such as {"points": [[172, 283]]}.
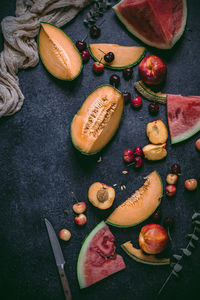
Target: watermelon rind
{"points": [[148, 42], [82, 254], [186, 135]]}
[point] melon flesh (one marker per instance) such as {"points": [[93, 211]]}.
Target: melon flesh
{"points": [[183, 115], [140, 205], [58, 53], [158, 23], [125, 56], [97, 258]]}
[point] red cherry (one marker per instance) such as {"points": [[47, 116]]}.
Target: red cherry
{"points": [[128, 156], [97, 67], [65, 234], [79, 207], [157, 215], [138, 151], [85, 56], [137, 162], [136, 102]]}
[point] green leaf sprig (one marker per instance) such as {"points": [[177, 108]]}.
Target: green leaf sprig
{"points": [[97, 11], [177, 265]]}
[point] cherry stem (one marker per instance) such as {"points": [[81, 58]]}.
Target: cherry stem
{"points": [[102, 22], [127, 85], [85, 37], [101, 51], [75, 197]]}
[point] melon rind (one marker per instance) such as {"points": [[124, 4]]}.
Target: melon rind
{"points": [[148, 42], [149, 94], [184, 136], [121, 67], [123, 223], [139, 256], [83, 251]]}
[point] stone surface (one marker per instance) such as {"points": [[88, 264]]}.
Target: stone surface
{"points": [[40, 168]]}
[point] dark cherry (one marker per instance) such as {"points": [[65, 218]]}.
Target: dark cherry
{"points": [[85, 56], [153, 109], [137, 162], [157, 215], [115, 80], [168, 223], [138, 151], [128, 73], [126, 97], [109, 57], [176, 169], [95, 31], [81, 45]]}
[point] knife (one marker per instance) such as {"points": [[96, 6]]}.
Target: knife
{"points": [[60, 261]]}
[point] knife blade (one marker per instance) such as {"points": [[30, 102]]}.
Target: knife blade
{"points": [[60, 261]]}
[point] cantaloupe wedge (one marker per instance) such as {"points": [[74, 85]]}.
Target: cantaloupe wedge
{"points": [[140, 205], [125, 56], [58, 53]]}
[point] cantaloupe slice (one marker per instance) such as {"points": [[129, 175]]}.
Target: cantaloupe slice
{"points": [[140, 205], [125, 56], [58, 53], [140, 256], [149, 94]]}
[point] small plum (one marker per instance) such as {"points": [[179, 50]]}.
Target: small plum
{"points": [[172, 178], [79, 207], [170, 190], [65, 234], [80, 220], [190, 184], [197, 144]]}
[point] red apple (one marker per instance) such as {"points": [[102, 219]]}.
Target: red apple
{"points": [[153, 238], [152, 70]]}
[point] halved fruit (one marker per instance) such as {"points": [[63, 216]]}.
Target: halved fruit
{"points": [[97, 120], [101, 195], [125, 56], [140, 205], [97, 258], [140, 256], [58, 53], [157, 132], [154, 152], [149, 94]]}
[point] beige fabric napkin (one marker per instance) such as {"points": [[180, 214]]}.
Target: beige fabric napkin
{"points": [[20, 49]]}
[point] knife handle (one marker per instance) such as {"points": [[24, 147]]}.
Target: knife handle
{"points": [[65, 283]]}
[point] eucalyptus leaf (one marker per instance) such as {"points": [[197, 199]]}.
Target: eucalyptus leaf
{"points": [[172, 264], [195, 216], [191, 244], [177, 257], [195, 237], [177, 268], [186, 252], [197, 229], [196, 222], [175, 274]]}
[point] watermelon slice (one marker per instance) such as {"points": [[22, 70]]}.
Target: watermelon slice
{"points": [[158, 23], [183, 115], [97, 258]]}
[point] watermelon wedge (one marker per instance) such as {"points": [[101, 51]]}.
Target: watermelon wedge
{"points": [[97, 258], [158, 23], [183, 115]]}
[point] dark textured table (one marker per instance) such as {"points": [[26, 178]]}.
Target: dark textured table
{"points": [[40, 168]]}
